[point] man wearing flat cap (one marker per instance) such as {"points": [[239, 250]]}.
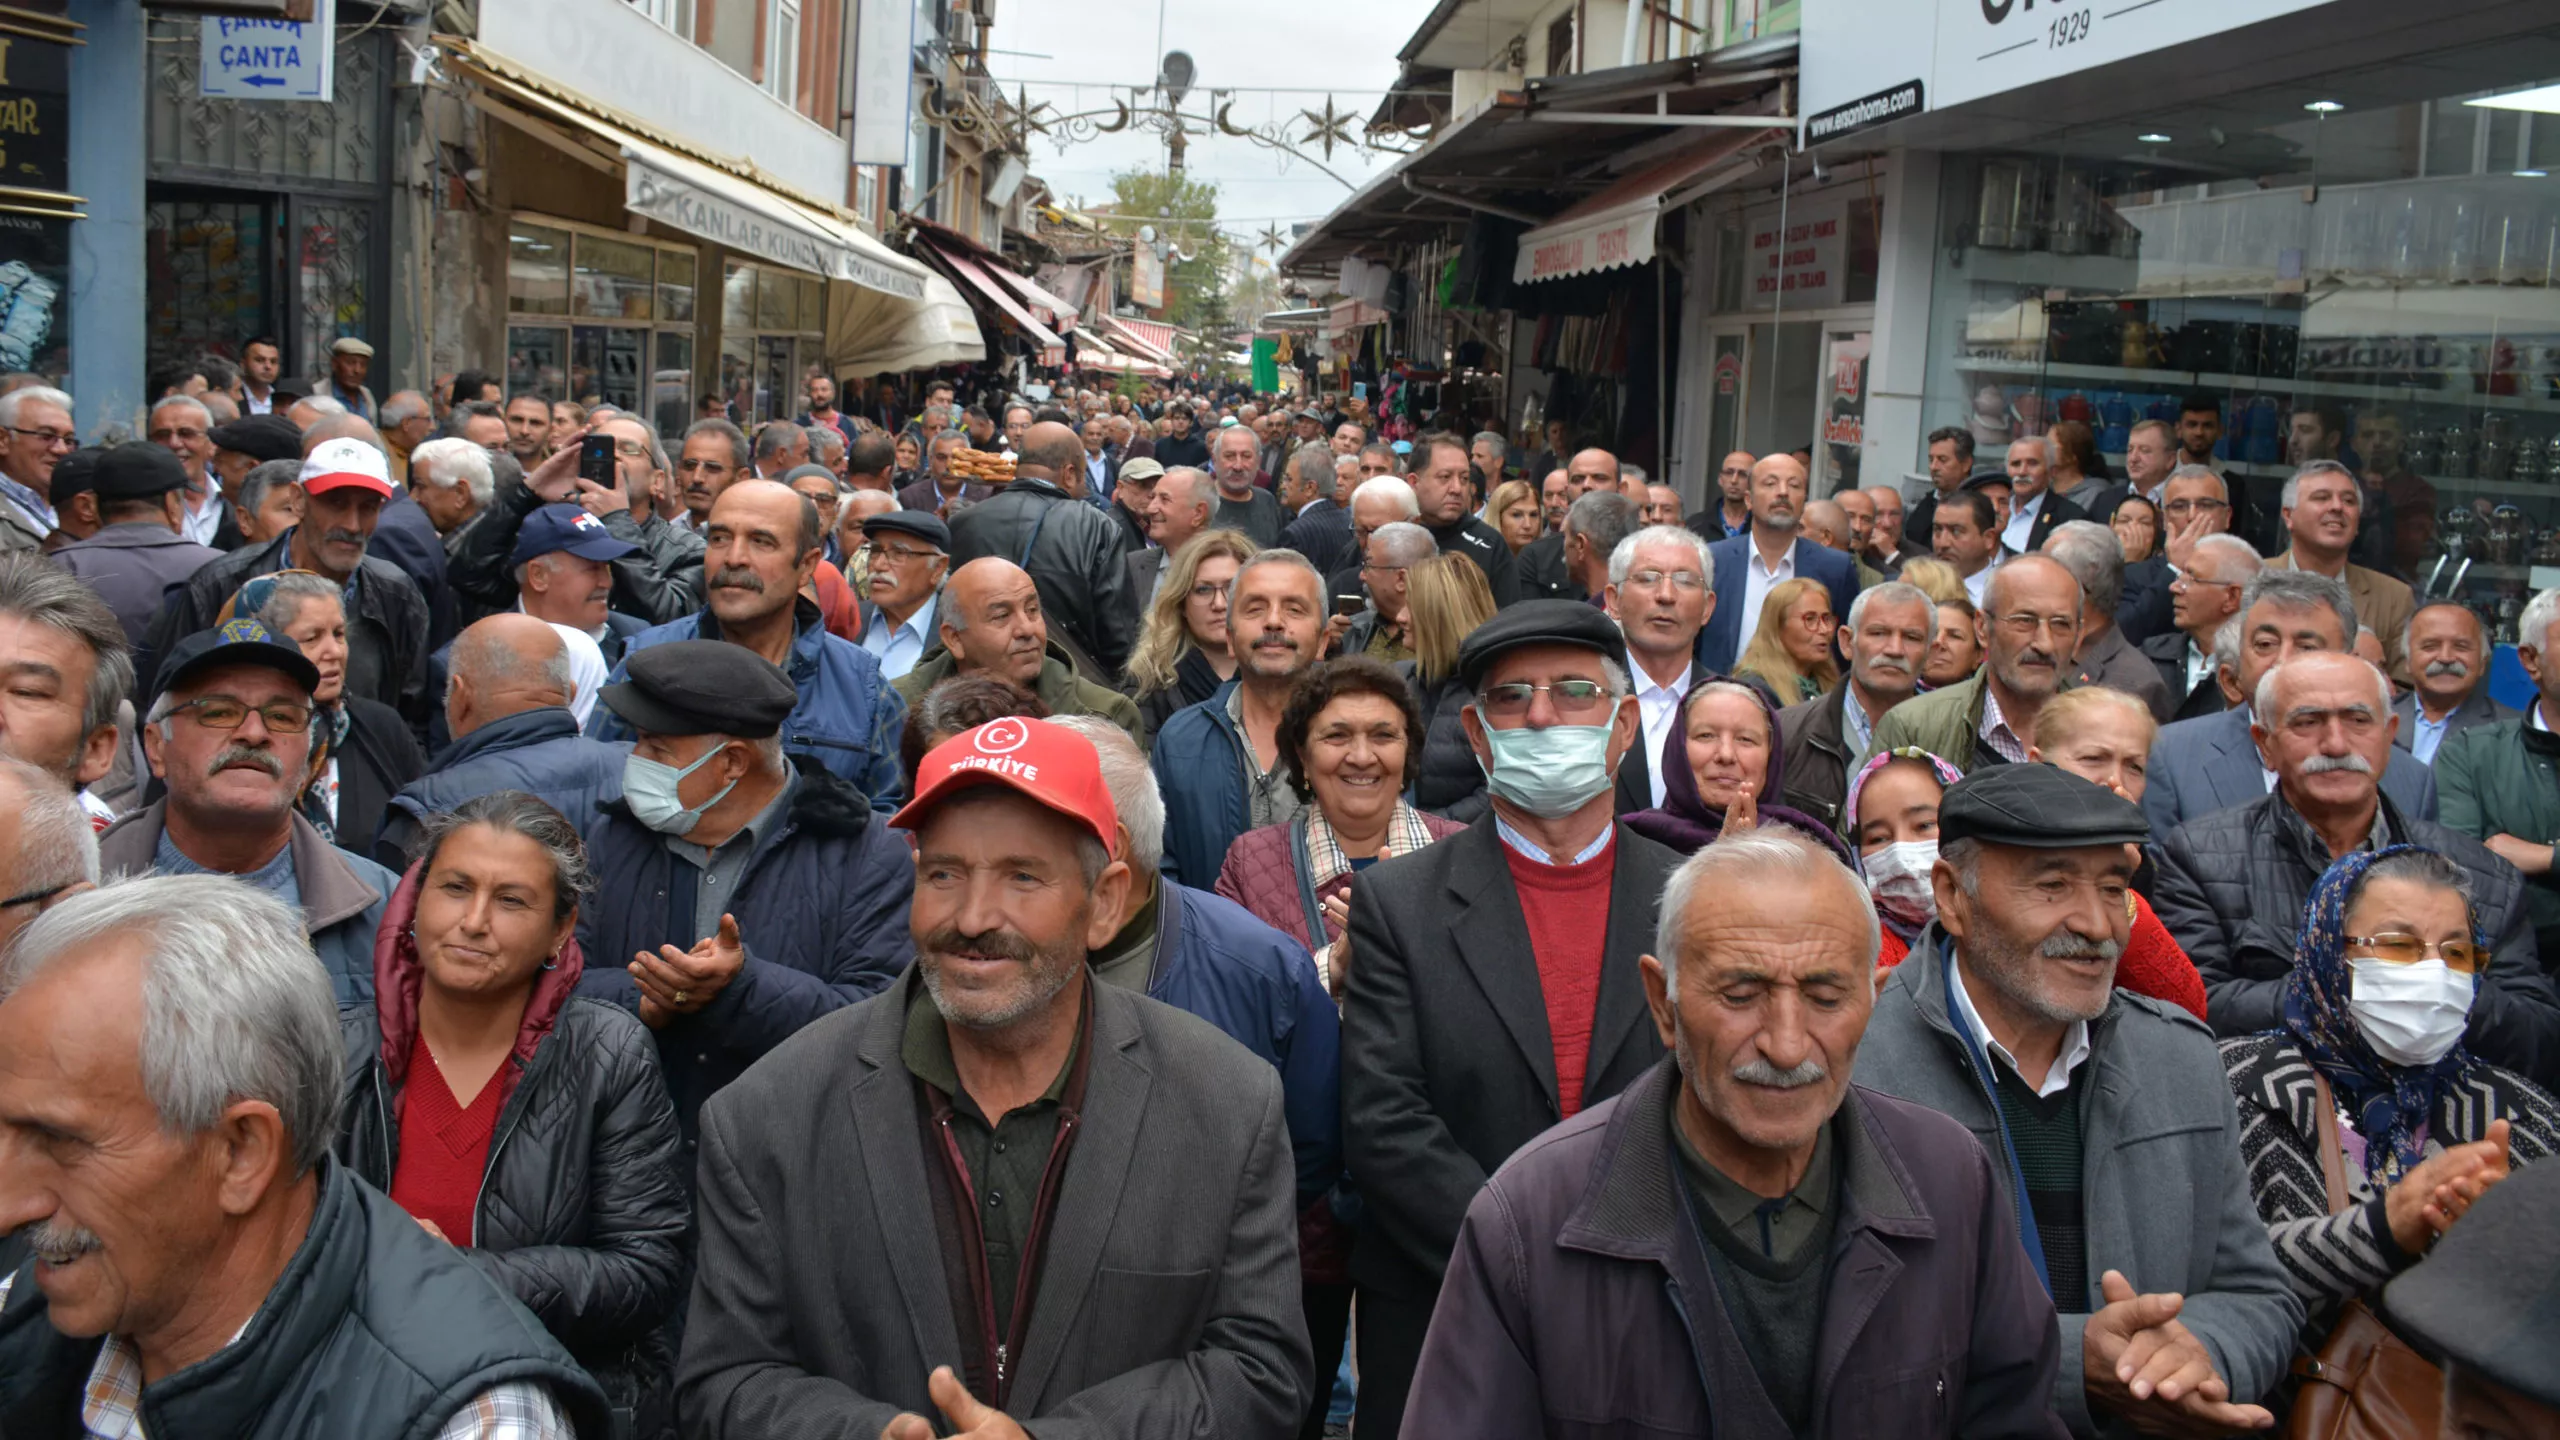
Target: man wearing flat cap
{"points": [[907, 555], [2485, 1303], [2103, 1110], [745, 894], [1494, 988], [1131, 491], [140, 552], [1001, 1195]]}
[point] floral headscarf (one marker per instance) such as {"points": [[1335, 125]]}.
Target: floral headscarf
{"points": [[329, 723], [2391, 1103], [1906, 926]]}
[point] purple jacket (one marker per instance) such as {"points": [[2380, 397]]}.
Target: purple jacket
{"points": [[1580, 1303]]}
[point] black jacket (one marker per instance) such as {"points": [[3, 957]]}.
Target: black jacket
{"points": [[1194, 680], [1450, 782], [1322, 533], [1813, 738], [1542, 572], [1484, 545], [386, 627], [1074, 554], [379, 757], [2231, 889], [2168, 651], [659, 582]]}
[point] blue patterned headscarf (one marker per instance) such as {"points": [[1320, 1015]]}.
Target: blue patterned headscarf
{"points": [[2391, 1103]]}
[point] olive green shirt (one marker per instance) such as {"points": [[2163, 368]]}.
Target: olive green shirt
{"points": [[1129, 959]]}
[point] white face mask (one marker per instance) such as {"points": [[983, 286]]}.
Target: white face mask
{"points": [[2410, 1014], [1898, 878]]}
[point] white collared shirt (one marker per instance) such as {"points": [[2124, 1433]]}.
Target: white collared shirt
{"points": [[898, 648], [1537, 852], [2075, 1041], [1758, 578], [1658, 706], [201, 521], [2022, 522], [1978, 584], [2199, 667]]}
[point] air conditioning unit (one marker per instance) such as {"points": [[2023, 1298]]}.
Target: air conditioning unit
{"points": [[963, 29]]}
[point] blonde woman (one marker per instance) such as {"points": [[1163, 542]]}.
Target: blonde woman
{"points": [[1514, 510], [1790, 655], [1182, 657], [1447, 599], [1934, 578]]}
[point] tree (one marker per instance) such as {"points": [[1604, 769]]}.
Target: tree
{"points": [[1185, 212]]}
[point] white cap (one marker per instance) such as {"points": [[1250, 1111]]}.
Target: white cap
{"points": [[346, 461]]}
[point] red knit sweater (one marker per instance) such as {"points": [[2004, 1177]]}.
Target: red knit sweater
{"points": [[444, 1147], [1567, 907]]}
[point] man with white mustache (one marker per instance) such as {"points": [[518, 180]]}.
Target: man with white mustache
{"points": [[1825, 740], [2449, 661], [2102, 1110]]}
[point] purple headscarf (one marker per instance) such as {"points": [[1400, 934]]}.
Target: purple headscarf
{"points": [[1686, 823]]}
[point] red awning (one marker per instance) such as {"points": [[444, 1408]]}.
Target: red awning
{"points": [[975, 276]]}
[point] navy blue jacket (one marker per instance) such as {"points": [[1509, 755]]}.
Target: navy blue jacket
{"points": [[537, 751], [1722, 641], [618, 630], [848, 720], [1217, 961], [821, 908], [1198, 765]]}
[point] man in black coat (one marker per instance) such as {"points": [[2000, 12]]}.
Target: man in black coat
{"points": [[1448, 500], [1072, 549], [1452, 1054], [1321, 530]]}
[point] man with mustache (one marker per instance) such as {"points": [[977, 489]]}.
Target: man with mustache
{"points": [[1783, 1175], [230, 736], [2232, 884], [904, 556], [2031, 619], [992, 624], [1824, 741], [1747, 567], [2449, 659], [1080, 1202], [2102, 1111]]}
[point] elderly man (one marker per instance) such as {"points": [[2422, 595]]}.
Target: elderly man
{"points": [[1887, 547], [819, 486], [1384, 631], [48, 853], [1219, 761], [2448, 650], [1244, 504], [660, 579], [1594, 527], [991, 624], [1101, 463], [1494, 987], [564, 561], [230, 736], [35, 421], [2204, 598], [2232, 884], [1152, 1152], [1182, 504], [1547, 571], [2032, 625], [907, 553], [1661, 592], [183, 426], [2495, 777], [350, 363], [780, 448], [2095, 558], [1133, 493], [2101, 1109], [2200, 766], [2150, 453], [1731, 514], [452, 482], [761, 551], [2033, 509], [1320, 526], [1824, 741], [408, 421], [1749, 566], [344, 483], [1446, 500], [1829, 524], [759, 892], [2323, 509], [265, 504], [1782, 1173], [714, 457], [138, 555], [507, 708], [1071, 549], [170, 1072]]}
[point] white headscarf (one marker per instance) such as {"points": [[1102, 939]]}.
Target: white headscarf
{"points": [[586, 669]]}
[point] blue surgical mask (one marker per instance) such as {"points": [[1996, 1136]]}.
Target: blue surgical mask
{"points": [[1552, 772], [649, 787]]}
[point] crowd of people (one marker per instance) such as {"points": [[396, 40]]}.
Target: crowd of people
{"points": [[1273, 919]]}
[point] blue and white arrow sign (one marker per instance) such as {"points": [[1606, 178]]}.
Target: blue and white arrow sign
{"points": [[269, 59]]}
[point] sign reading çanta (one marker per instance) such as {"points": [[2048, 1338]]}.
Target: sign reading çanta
{"points": [[269, 59]]}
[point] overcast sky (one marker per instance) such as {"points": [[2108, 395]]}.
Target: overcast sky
{"points": [[1102, 43]]}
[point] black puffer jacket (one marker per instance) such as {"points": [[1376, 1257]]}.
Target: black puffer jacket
{"points": [[2231, 889], [1450, 783], [1073, 553], [1194, 680], [582, 1210]]}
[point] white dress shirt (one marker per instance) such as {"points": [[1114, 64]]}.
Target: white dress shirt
{"points": [[2075, 1041], [2022, 522], [201, 521], [1658, 706], [1758, 578]]}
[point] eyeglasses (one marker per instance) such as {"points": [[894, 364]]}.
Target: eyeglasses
{"points": [[221, 712], [1383, 569], [2024, 624], [2180, 509], [1679, 579], [2191, 580], [879, 552], [163, 435], [1570, 697], [36, 897], [1207, 590], [57, 439], [2401, 948]]}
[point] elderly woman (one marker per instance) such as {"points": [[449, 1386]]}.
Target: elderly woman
{"points": [[1181, 657], [1716, 764], [1790, 654], [1955, 647], [512, 1119], [1351, 737], [1515, 511], [361, 750], [2367, 1127]]}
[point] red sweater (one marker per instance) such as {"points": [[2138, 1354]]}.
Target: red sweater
{"points": [[2152, 963], [444, 1147], [1567, 907]]}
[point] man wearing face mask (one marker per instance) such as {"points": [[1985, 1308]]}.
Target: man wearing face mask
{"points": [[747, 894], [2232, 884], [1497, 990]]}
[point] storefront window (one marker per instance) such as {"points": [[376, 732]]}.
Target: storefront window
{"points": [[671, 383], [614, 278], [537, 359], [537, 270], [605, 362], [675, 285], [773, 333], [636, 297]]}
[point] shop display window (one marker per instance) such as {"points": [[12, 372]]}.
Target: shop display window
{"points": [[599, 317]]}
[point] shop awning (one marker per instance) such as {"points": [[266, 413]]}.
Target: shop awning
{"points": [[1153, 338], [1616, 227], [871, 334], [974, 275]]}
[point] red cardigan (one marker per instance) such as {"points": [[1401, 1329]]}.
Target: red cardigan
{"points": [[2153, 964]]}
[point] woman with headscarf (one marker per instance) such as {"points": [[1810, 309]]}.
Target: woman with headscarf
{"points": [[1716, 764], [361, 750], [587, 670]]}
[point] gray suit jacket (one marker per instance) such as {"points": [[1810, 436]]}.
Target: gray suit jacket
{"points": [[2200, 766], [1168, 1290], [1145, 567], [2166, 1190], [2478, 710]]}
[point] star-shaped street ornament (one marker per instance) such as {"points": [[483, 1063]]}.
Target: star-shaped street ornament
{"points": [[1331, 128], [1272, 239]]}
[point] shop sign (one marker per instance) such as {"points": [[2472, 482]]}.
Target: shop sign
{"points": [[1800, 263], [247, 59], [1844, 410], [1146, 279], [35, 128], [697, 210], [1728, 374], [1864, 113]]}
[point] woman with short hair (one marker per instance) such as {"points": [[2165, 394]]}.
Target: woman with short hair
{"points": [[1446, 598], [1516, 513], [362, 751]]}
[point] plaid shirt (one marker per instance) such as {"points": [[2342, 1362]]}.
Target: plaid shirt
{"points": [[1405, 834], [1996, 732], [111, 1407]]}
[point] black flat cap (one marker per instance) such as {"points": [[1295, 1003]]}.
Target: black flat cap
{"points": [[136, 471], [701, 687], [2488, 1296], [1987, 479], [236, 642], [924, 525], [267, 437], [1538, 622], [77, 473], [2037, 807]]}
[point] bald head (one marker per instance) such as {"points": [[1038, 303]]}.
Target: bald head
{"points": [[340, 426], [1826, 523], [992, 622], [1055, 448], [505, 665]]}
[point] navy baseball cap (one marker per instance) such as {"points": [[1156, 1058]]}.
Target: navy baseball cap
{"points": [[567, 527]]}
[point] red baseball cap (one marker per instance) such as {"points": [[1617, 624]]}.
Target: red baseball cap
{"points": [[345, 461], [1048, 763]]}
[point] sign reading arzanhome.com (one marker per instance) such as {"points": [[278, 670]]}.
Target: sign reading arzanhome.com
{"points": [[246, 59], [1863, 114]]}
